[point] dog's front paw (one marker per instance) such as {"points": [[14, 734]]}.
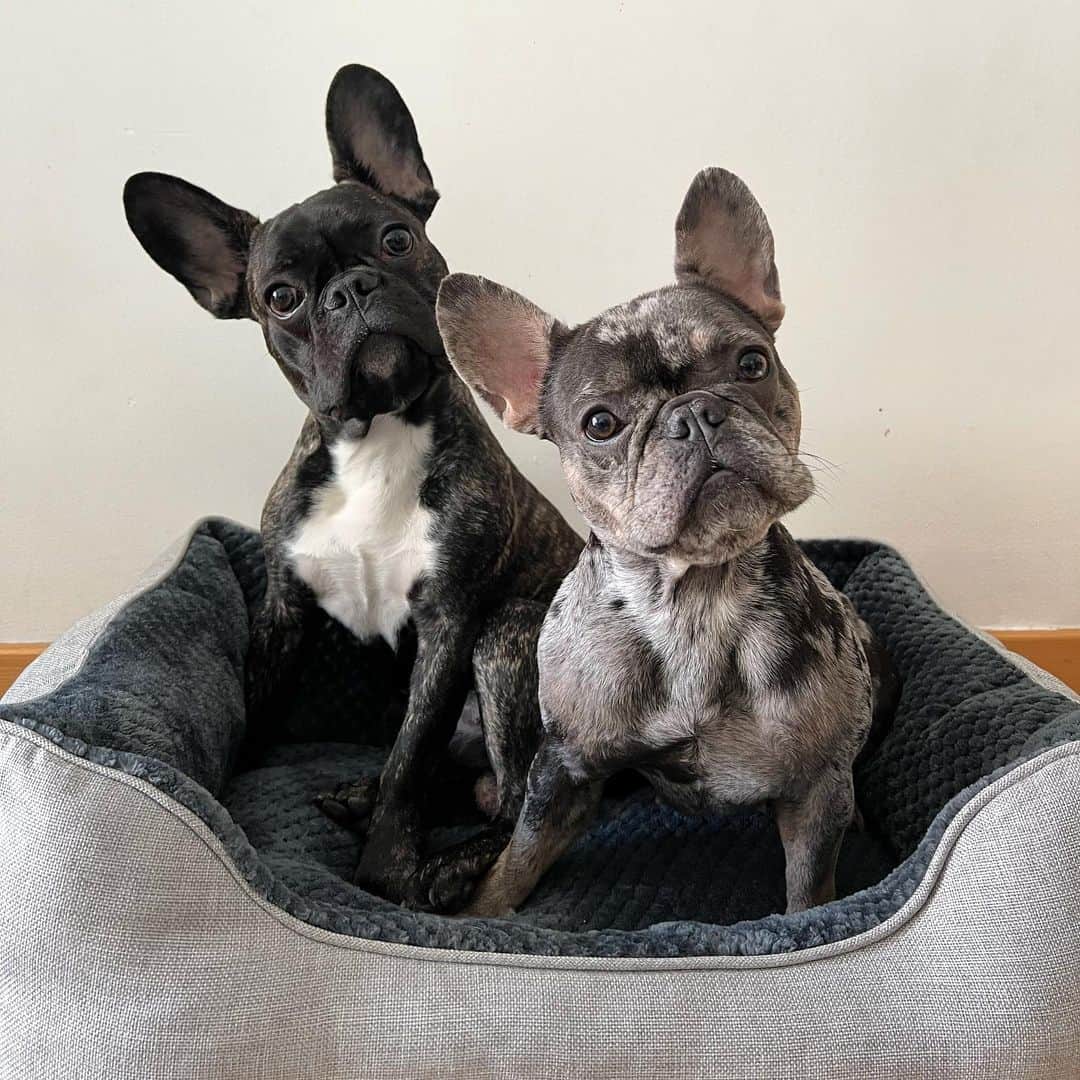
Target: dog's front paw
{"points": [[389, 867], [393, 883], [351, 804], [449, 879], [446, 886], [485, 909]]}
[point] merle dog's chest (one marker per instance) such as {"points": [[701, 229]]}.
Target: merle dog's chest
{"points": [[622, 688], [714, 691], [366, 538]]}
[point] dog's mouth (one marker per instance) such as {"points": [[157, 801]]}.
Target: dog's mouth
{"points": [[356, 427], [391, 373], [742, 481], [718, 474], [408, 319]]}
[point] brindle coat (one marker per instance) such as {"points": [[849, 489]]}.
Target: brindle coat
{"points": [[354, 276]]}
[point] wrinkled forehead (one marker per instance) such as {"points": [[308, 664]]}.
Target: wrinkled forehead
{"points": [[340, 217], [351, 200], [656, 339]]}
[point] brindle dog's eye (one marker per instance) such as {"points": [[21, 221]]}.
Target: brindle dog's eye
{"points": [[602, 425], [283, 300], [753, 365], [397, 242]]}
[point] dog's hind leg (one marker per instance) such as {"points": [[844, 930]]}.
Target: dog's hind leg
{"points": [[504, 669]]}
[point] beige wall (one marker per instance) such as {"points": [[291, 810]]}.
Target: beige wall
{"points": [[920, 165]]}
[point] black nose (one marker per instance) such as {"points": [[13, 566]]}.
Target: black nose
{"points": [[695, 416], [353, 284]]}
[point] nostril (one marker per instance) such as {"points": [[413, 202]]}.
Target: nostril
{"points": [[677, 427], [713, 415], [366, 280], [696, 418], [335, 412], [335, 299]]}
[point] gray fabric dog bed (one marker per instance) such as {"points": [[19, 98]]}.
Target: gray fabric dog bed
{"points": [[174, 905]]}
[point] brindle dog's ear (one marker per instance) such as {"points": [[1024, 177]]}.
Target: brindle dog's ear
{"points": [[500, 344], [194, 236], [723, 240], [373, 139]]}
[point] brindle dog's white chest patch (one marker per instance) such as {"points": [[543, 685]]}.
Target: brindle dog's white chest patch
{"points": [[367, 539]]}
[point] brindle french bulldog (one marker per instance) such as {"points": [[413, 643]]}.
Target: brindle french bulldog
{"points": [[398, 512]]}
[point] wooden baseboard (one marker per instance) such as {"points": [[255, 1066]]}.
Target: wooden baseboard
{"points": [[14, 657], [1057, 651]]}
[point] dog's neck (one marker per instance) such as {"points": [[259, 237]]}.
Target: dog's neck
{"points": [[690, 615], [666, 577]]}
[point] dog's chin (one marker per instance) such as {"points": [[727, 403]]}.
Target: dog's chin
{"points": [[388, 359], [393, 375], [734, 510], [726, 513], [730, 515]]}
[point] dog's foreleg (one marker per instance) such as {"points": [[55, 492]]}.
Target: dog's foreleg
{"points": [[557, 808], [505, 676], [276, 633], [437, 691], [811, 829]]}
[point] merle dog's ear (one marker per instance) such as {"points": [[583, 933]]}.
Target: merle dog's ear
{"points": [[723, 240], [500, 344], [373, 139], [194, 236]]}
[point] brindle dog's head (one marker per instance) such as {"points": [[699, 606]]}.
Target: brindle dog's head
{"points": [[343, 283], [677, 424]]}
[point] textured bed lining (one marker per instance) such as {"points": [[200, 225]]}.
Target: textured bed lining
{"points": [[158, 694], [1012, 778]]}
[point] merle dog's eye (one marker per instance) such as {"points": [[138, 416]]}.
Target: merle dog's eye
{"points": [[602, 425], [753, 365], [283, 300], [397, 241]]}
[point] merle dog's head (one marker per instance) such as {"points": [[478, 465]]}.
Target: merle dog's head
{"points": [[343, 283], [677, 425]]}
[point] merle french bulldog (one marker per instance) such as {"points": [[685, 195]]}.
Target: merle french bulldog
{"points": [[694, 642], [398, 513]]}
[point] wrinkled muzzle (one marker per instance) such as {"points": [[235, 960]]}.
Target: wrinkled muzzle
{"points": [[709, 476], [374, 339]]}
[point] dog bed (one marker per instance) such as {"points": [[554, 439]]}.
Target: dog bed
{"points": [[173, 907]]}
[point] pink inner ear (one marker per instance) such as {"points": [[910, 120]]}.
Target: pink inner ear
{"points": [[723, 239], [508, 356], [521, 408], [748, 289], [500, 344]]}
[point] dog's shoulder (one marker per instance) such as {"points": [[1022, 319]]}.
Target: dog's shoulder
{"points": [[800, 655], [494, 528], [599, 674], [308, 468]]}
